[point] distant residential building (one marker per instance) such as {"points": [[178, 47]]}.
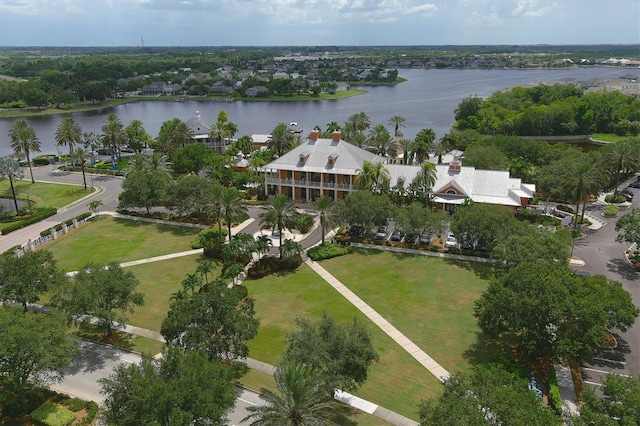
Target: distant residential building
{"points": [[256, 91]]}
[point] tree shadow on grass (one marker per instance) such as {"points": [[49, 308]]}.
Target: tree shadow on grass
{"points": [[487, 350], [485, 270], [177, 230]]}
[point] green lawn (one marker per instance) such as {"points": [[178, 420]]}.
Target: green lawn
{"points": [[43, 194], [109, 239], [397, 382], [429, 299]]}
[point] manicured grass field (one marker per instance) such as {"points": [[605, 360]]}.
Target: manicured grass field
{"points": [[109, 239], [430, 300], [397, 382], [158, 280], [43, 194]]}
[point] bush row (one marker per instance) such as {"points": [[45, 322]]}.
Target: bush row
{"points": [[555, 401], [327, 251], [40, 214], [615, 199], [270, 265]]}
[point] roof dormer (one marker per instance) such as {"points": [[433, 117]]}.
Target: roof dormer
{"points": [[304, 156], [331, 160]]}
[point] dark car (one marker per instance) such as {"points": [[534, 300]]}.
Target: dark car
{"points": [[356, 231], [467, 242], [397, 235], [410, 238], [635, 184], [627, 194]]}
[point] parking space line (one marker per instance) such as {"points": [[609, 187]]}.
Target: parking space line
{"points": [[605, 372], [610, 360], [593, 383]]}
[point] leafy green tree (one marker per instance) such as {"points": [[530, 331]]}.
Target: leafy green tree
{"points": [[191, 194], [184, 388], [373, 177], [10, 169], [488, 395], [113, 135], [282, 140], [485, 156], [341, 353], [204, 268], [301, 399], [23, 279], [520, 243], [145, 189], [326, 213], [137, 137], [217, 320], [364, 208], [466, 112], [521, 168], [69, 134], [231, 206], [546, 312], [480, 221], [24, 141], [81, 155], [619, 405], [173, 135], [628, 227], [425, 179], [34, 349], [280, 215], [104, 291]]}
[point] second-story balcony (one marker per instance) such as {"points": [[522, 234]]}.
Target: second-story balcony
{"points": [[310, 184]]}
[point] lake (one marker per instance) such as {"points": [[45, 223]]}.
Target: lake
{"points": [[427, 100]]}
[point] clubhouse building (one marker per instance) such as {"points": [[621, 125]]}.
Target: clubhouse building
{"points": [[320, 166]]}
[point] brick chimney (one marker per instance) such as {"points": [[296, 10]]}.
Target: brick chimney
{"points": [[455, 165], [337, 135], [314, 135]]}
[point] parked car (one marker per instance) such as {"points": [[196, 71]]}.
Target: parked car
{"points": [[397, 235], [410, 238], [635, 184], [425, 238], [381, 233], [356, 231], [467, 242], [627, 194], [451, 241], [481, 245]]}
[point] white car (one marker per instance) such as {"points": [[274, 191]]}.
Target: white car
{"points": [[451, 241]]}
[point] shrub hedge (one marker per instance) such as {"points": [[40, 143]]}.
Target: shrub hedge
{"points": [[270, 265], [555, 400], [564, 208], [611, 211], [52, 414], [40, 214], [615, 199], [327, 251]]}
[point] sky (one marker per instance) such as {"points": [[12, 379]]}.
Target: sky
{"points": [[317, 22]]}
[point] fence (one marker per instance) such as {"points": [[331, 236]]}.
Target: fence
{"points": [[51, 236]]}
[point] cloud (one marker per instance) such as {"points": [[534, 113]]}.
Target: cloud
{"points": [[529, 8], [426, 9]]}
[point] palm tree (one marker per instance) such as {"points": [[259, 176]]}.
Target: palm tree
{"points": [[407, 147], [113, 135], [423, 143], [10, 169], [24, 141], [261, 246], [191, 281], [327, 214], [582, 180], [621, 157], [178, 296], [426, 178], [301, 400], [397, 122], [378, 140], [521, 168], [360, 121], [332, 127], [231, 205], [173, 134], [373, 177], [68, 133], [213, 207], [137, 136], [280, 215], [290, 248], [223, 129], [91, 141], [81, 155], [204, 268], [282, 139]]}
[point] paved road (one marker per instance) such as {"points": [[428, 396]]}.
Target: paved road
{"points": [[98, 361], [602, 255]]}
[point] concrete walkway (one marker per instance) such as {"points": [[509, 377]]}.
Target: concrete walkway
{"points": [[406, 344]]}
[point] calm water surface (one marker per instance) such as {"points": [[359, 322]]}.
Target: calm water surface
{"points": [[427, 100]]}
